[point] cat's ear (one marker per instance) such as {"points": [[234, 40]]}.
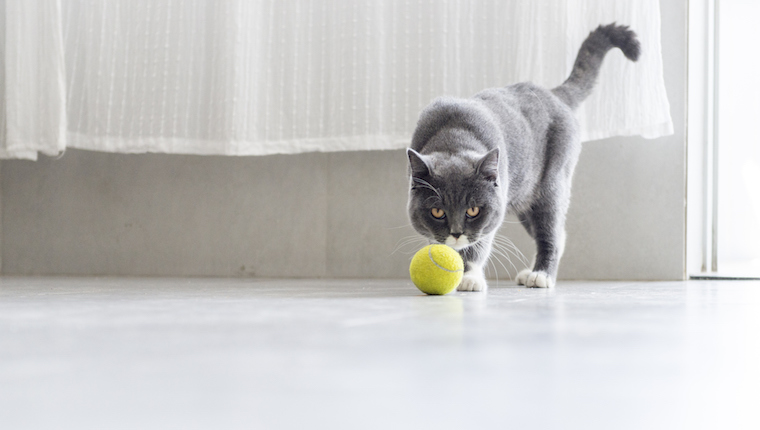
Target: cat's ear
{"points": [[488, 166], [417, 164]]}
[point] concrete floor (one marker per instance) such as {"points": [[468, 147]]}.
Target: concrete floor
{"points": [[92, 353]]}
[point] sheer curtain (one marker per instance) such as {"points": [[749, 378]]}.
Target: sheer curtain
{"points": [[241, 77], [32, 87]]}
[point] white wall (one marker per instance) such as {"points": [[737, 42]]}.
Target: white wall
{"points": [[326, 215]]}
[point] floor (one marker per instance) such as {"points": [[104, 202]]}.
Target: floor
{"points": [[92, 353]]}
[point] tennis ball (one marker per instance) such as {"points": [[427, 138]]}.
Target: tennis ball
{"points": [[436, 269]]}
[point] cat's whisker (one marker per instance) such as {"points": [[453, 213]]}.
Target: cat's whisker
{"points": [[405, 251], [508, 245], [490, 261], [511, 263], [512, 250], [405, 242], [410, 237], [495, 271], [509, 249], [506, 221], [399, 227], [509, 253], [498, 253]]}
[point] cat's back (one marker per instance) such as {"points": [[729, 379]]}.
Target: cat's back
{"points": [[516, 117], [526, 107]]}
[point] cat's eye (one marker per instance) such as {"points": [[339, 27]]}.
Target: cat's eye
{"points": [[437, 213], [473, 212]]}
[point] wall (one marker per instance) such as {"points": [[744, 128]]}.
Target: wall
{"points": [[327, 215], [1, 219]]}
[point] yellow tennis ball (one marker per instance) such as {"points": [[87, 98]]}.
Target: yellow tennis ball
{"points": [[436, 269]]}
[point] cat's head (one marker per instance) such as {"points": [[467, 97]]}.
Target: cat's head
{"points": [[456, 200]]}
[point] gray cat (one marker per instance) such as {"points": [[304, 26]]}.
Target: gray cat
{"points": [[505, 150]]}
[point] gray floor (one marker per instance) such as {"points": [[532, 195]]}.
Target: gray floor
{"points": [[198, 353]]}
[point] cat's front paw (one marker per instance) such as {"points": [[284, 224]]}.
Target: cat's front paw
{"points": [[473, 282], [533, 279]]}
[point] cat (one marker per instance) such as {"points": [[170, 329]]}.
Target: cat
{"points": [[505, 150]]}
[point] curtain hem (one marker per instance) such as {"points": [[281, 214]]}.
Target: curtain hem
{"points": [[648, 132], [235, 148]]}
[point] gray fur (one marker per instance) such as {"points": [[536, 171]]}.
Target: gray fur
{"points": [[583, 77], [505, 150]]}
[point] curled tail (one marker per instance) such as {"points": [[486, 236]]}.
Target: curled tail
{"points": [[583, 77]]}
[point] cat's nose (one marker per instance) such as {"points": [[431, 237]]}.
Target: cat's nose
{"points": [[456, 235]]}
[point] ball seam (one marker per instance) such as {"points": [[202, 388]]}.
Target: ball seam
{"points": [[430, 254]]}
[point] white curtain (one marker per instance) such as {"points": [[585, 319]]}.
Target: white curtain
{"points": [[32, 87], [241, 77]]}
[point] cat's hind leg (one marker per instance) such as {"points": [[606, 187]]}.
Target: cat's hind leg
{"points": [[522, 276], [545, 220], [547, 226], [535, 279]]}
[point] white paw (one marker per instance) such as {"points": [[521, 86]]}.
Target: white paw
{"points": [[473, 282], [533, 279], [522, 276]]}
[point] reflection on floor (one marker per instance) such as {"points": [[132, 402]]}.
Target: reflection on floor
{"points": [[86, 353]]}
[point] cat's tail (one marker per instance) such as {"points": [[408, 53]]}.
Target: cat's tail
{"points": [[583, 77]]}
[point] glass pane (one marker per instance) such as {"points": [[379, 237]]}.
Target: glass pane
{"points": [[739, 138]]}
